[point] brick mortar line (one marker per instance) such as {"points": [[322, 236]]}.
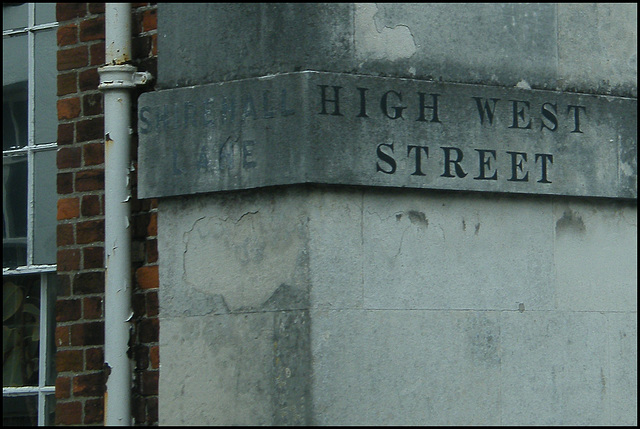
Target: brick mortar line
{"points": [[84, 372], [79, 169], [77, 119], [77, 296], [80, 348], [71, 247], [79, 43], [62, 49], [80, 193], [87, 271], [74, 221], [99, 40], [79, 145], [147, 33], [75, 293], [89, 167], [77, 95]]}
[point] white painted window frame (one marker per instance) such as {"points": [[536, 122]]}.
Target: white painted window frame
{"points": [[42, 390]]}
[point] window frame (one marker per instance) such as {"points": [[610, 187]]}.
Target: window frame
{"points": [[31, 148], [46, 272]]}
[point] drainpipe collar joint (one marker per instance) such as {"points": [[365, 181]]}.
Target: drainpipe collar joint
{"points": [[121, 76]]}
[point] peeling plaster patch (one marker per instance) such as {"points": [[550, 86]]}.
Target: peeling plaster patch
{"points": [[391, 43], [570, 221], [418, 218], [238, 261]]}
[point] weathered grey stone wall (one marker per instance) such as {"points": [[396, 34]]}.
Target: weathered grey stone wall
{"points": [[588, 48], [235, 304], [360, 305], [473, 310]]}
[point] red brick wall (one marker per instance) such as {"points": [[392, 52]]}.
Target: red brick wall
{"points": [[79, 333]]}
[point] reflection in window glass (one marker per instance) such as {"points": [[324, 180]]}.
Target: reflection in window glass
{"points": [[14, 59], [14, 16], [45, 202], [14, 116], [14, 92], [45, 12], [14, 211], [21, 330], [46, 118], [50, 321], [20, 410], [50, 410]]}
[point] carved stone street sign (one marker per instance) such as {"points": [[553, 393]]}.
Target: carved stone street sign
{"points": [[316, 127]]}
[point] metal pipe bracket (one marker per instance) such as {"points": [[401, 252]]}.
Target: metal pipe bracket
{"points": [[122, 76]]}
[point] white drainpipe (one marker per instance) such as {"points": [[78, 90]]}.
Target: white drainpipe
{"points": [[117, 79]]}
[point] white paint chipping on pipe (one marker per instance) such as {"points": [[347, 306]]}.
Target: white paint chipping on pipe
{"points": [[117, 79]]}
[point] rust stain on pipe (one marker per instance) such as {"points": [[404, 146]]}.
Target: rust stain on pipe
{"points": [[107, 143], [124, 59], [117, 58]]}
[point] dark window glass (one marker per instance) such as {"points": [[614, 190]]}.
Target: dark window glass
{"points": [[14, 116], [21, 330], [20, 410], [14, 211]]}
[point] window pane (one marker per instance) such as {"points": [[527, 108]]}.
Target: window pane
{"points": [[14, 116], [45, 13], [14, 90], [45, 199], [50, 410], [46, 118], [20, 330], [20, 410], [14, 211], [14, 16], [14, 60]]}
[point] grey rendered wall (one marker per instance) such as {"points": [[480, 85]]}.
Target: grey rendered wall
{"points": [[345, 305], [356, 306], [589, 48]]}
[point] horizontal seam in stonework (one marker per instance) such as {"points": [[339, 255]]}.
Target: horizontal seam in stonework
{"points": [[475, 310]]}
